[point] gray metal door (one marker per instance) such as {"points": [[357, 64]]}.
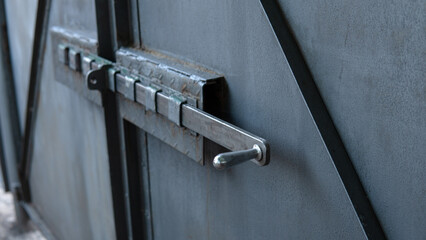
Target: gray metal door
{"points": [[139, 99], [65, 176]]}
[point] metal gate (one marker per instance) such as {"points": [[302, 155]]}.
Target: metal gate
{"points": [[240, 119]]}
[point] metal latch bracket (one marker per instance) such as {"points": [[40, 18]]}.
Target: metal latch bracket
{"points": [[151, 97], [166, 101], [175, 109], [97, 79]]}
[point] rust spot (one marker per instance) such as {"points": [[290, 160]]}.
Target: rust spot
{"points": [[173, 129], [183, 88]]}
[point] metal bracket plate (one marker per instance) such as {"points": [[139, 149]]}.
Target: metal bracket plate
{"points": [[171, 92], [125, 84], [151, 97], [74, 60], [175, 107], [63, 54]]}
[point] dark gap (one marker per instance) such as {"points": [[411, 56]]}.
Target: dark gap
{"points": [[137, 23], [105, 25], [127, 23], [107, 47], [136, 182], [115, 165], [123, 22]]}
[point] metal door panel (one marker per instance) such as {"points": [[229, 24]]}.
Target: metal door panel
{"points": [[20, 23], [377, 102], [189, 201], [70, 182], [299, 195], [368, 59]]}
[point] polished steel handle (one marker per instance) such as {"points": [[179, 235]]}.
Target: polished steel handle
{"points": [[225, 160], [226, 135]]}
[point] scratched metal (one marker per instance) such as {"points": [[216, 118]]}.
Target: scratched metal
{"points": [[181, 76], [192, 81]]}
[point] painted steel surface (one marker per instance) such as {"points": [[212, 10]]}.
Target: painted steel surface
{"points": [[69, 177], [367, 59]]}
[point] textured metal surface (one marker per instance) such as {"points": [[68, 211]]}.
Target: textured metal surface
{"points": [[173, 73], [172, 76], [126, 85]]}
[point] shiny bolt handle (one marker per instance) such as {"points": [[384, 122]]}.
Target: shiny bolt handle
{"points": [[225, 160]]}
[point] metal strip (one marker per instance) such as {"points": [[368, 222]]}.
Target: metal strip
{"points": [[39, 44], [74, 60], [125, 85], [323, 121], [146, 185], [151, 98], [175, 109], [37, 220], [63, 54], [105, 22], [223, 133]]}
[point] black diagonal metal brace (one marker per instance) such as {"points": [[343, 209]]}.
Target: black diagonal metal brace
{"points": [[323, 121]]}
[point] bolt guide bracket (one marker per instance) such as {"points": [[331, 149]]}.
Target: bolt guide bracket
{"points": [[158, 99]]}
